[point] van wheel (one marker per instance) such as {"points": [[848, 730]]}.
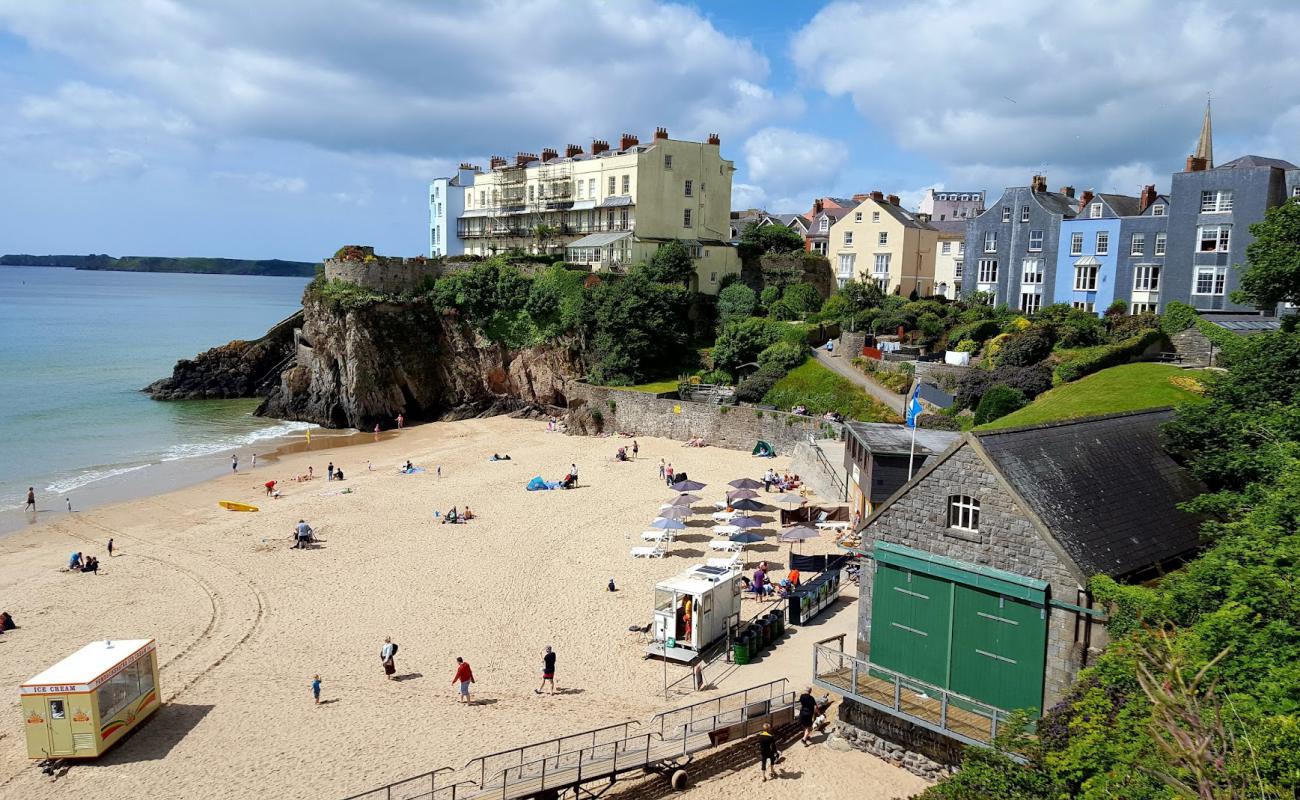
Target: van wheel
{"points": [[678, 780]]}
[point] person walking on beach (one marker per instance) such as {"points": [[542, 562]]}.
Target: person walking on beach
{"points": [[439, 470], [110, 548], [315, 688], [662, 473], [668, 474], [254, 460], [401, 420], [329, 471], [386, 655], [807, 710], [767, 752], [234, 462], [548, 670], [31, 499], [464, 677], [636, 448]]}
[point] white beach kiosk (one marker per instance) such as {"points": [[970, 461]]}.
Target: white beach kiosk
{"points": [[82, 705], [693, 610]]}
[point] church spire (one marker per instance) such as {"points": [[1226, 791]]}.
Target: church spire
{"points": [[1205, 144]]}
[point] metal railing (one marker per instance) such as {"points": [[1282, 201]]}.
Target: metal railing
{"points": [[519, 757], [841, 488], [721, 711], [421, 787], [959, 717]]}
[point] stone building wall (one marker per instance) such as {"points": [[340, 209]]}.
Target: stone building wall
{"points": [[1194, 346], [917, 750], [1007, 540], [388, 275], [732, 427], [944, 376]]}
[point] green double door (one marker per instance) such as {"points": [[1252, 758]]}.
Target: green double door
{"points": [[969, 640]]}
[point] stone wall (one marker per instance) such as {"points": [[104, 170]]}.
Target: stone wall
{"points": [[388, 275], [942, 375], [733, 427], [917, 750], [1194, 346], [1006, 540], [851, 343]]}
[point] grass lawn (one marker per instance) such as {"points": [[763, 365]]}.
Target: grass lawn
{"points": [[822, 390], [651, 388], [1130, 387]]}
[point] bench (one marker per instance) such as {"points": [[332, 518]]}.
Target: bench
{"points": [[1170, 358]]}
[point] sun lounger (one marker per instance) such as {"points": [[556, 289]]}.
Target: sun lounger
{"points": [[648, 552], [657, 536], [723, 516], [736, 562], [726, 546], [833, 526], [724, 530]]}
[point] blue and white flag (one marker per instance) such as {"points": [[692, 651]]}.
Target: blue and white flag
{"points": [[914, 409]]}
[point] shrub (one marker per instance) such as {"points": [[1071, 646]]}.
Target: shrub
{"points": [[787, 355], [1129, 325], [1093, 359], [1033, 380], [966, 346], [770, 295], [742, 340], [753, 388], [997, 402], [939, 422], [970, 390], [717, 376], [1177, 317], [736, 301], [782, 310], [802, 297], [1025, 349], [671, 263], [977, 331]]}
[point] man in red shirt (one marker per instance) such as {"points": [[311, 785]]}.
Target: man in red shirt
{"points": [[464, 676]]}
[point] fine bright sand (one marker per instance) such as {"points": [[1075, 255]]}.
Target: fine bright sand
{"points": [[243, 622]]}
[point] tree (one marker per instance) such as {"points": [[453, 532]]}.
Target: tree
{"points": [[640, 328], [735, 302], [671, 263], [771, 238], [742, 340], [862, 295], [1272, 273], [802, 298], [544, 234]]}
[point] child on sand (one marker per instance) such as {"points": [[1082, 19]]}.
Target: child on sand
{"points": [[315, 688]]}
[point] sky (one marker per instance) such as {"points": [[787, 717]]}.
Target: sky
{"points": [[249, 129]]}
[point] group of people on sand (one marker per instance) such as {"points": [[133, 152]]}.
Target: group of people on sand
{"points": [[7, 622], [455, 517], [462, 679], [782, 483], [694, 441], [622, 454], [763, 587], [303, 536], [79, 563]]}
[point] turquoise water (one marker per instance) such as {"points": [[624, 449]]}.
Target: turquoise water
{"points": [[77, 346]]}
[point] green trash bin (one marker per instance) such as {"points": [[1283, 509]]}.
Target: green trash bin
{"points": [[739, 652], [778, 617]]}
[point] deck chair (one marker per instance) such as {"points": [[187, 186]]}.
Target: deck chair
{"points": [[736, 562], [648, 552], [725, 545], [657, 536]]}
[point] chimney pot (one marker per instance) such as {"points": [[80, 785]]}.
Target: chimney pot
{"points": [[1147, 198], [1085, 199], [1038, 184], [522, 159], [627, 140], [661, 133], [599, 146], [548, 153], [571, 150], [1068, 191], [496, 161], [878, 196], [714, 139], [893, 199]]}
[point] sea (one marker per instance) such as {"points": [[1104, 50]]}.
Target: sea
{"points": [[76, 348]]}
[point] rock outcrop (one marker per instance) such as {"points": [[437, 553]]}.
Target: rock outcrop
{"points": [[360, 367], [238, 369]]}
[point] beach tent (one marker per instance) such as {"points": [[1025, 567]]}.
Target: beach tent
{"points": [[763, 450], [537, 484]]}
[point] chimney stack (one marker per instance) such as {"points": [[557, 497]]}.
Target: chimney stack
{"points": [[878, 196], [522, 159], [1085, 199], [1147, 197], [599, 146], [818, 206], [1038, 184], [714, 139], [893, 199], [466, 166], [1197, 164], [496, 161], [661, 133], [571, 150], [1068, 191], [627, 141], [548, 153]]}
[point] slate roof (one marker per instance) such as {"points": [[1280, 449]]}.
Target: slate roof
{"points": [[1104, 488], [1257, 161], [886, 438], [903, 216], [1122, 204], [934, 395], [950, 226], [1057, 203]]}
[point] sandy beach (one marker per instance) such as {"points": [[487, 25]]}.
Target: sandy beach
{"points": [[243, 621]]}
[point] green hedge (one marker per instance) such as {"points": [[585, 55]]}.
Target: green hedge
{"points": [[1093, 359]]}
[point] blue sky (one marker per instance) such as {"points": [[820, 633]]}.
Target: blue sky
{"points": [[251, 129]]}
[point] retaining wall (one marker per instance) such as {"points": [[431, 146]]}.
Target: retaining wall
{"points": [[389, 275], [945, 376], [733, 427]]}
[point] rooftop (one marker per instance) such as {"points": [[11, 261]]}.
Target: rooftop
{"points": [[885, 438], [1104, 487], [1246, 162], [89, 663]]}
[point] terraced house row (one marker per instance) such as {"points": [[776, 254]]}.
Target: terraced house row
{"points": [[1034, 247]]}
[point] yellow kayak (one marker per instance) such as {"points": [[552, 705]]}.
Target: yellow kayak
{"points": [[231, 505]]}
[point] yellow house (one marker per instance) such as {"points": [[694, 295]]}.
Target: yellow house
{"points": [[608, 209], [82, 705], [879, 240], [949, 261]]}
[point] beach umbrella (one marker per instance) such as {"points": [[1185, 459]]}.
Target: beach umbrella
{"points": [[742, 494], [746, 483], [667, 524], [749, 505], [746, 537], [791, 499], [799, 533], [675, 512], [685, 499], [746, 522], [688, 486]]}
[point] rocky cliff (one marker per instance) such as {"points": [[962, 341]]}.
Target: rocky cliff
{"points": [[238, 369]]}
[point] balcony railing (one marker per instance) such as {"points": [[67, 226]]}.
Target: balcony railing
{"points": [[962, 718]]}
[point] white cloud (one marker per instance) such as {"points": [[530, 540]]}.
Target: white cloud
{"points": [[745, 195], [1131, 178], [264, 182], [97, 165], [79, 105], [402, 77], [787, 163], [1016, 83]]}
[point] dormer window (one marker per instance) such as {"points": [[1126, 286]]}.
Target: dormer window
{"points": [[1158, 210], [1094, 211]]}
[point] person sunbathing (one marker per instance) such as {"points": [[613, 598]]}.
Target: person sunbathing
{"points": [[467, 515], [451, 517]]}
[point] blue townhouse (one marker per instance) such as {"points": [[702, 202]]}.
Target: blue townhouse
{"points": [[1114, 249], [1012, 248]]}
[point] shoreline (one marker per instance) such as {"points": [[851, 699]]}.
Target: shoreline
{"points": [[155, 478]]}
